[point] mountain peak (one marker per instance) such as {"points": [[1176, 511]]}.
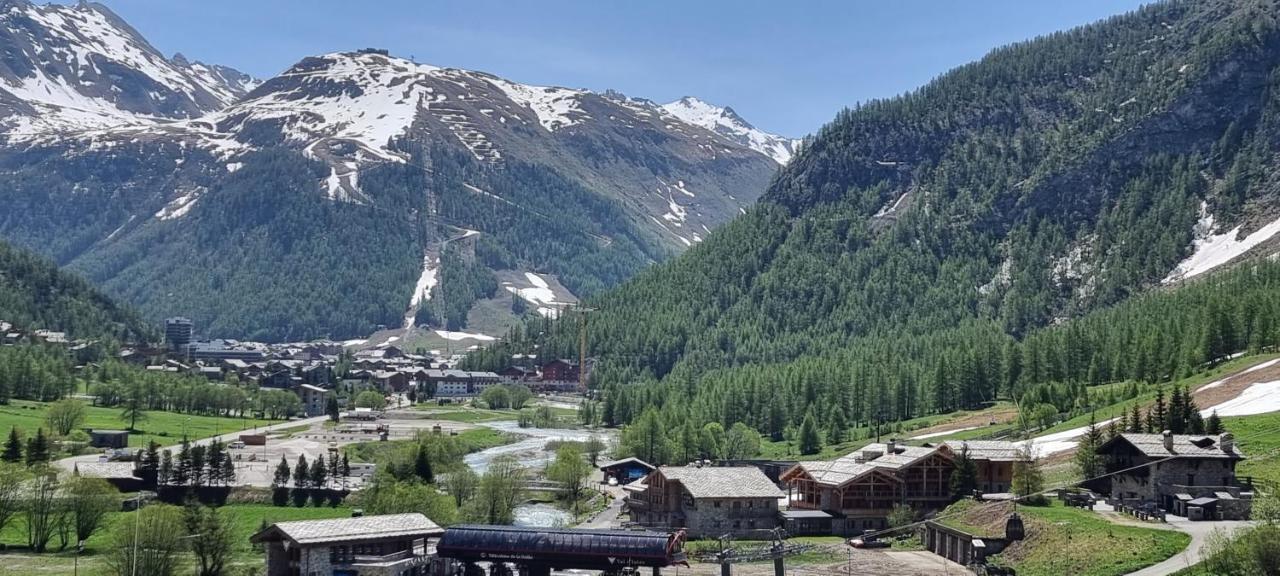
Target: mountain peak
{"points": [[724, 121], [81, 67]]}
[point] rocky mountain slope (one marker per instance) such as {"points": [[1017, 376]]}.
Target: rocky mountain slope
{"points": [[725, 122], [315, 203]]}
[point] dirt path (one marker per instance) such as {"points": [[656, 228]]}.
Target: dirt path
{"points": [[859, 562]]}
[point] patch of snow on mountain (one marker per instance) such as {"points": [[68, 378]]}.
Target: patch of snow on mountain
{"points": [[388, 93], [1213, 250], [455, 336], [724, 121], [1260, 398], [180, 206], [555, 107], [539, 293]]}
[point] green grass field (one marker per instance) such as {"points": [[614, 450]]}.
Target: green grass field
{"points": [[1062, 540], [163, 427], [1259, 438], [245, 518]]}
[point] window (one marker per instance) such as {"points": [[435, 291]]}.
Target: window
{"points": [[1191, 479], [715, 503], [737, 504], [737, 524], [751, 524], [751, 503]]}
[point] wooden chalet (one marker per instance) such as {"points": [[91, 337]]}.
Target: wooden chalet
{"points": [[856, 492]]}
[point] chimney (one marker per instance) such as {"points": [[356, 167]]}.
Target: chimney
{"points": [[1168, 441], [1227, 441], [891, 447]]}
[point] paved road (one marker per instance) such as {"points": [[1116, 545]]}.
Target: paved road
{"points": [[1194, 553], [69, 463], [607, 518]]}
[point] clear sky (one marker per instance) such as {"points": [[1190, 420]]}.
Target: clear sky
{"points": [[785, 66]]}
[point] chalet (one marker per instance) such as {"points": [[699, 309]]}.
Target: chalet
{"points": [[51, 337], [390, 381], [560, 371], [380, 353], [994, 460], [706, 501], [398, 544], [518, 374], [1187, 475], [856, 492], [627, 470]]}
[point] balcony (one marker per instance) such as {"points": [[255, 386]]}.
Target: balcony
{"points": [[636, 503]]}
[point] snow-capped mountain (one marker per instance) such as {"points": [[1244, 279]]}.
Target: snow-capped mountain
{"points": [[724, 121], [81, 67], [307, 204]]}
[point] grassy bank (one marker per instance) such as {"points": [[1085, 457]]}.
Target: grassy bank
{"points": [[163, 427], [1062, 540]]}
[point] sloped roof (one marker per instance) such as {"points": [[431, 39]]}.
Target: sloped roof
{"points": [[863, 461], [1184, 446], [362, 528], [993, 450], [722, 481], [630, 460]]}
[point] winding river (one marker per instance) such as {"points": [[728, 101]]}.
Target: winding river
{"points": [[532, 452]]}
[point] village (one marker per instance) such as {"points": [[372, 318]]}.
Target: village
{"points": [[875, 500]]}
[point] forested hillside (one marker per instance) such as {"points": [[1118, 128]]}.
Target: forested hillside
{"points": [[910, 258], [34, 294]]}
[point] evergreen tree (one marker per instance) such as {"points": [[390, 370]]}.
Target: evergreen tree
{"points": [[331, 407], [182, 465], [964, 480], [12, 447], [810, 437], [37, 449], [346, 466], [282, 474], [1136, 425], [319, 472], [1089, 463], [1213, 425], [165, 475], [301, 472]]}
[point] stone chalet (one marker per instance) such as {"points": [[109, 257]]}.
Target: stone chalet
{"points": [[856, 492], [1187, 475], [708, 501], [388, 545]]}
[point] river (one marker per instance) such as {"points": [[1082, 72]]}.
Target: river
{"points": [[532, 452]]}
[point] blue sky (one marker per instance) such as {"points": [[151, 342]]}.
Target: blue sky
{"points": [[787, 67]]}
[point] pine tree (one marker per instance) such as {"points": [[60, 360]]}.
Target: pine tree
{"points": [[165, 475], [1213, 425], [331, 406], [281, 477], [38, 448], [965, 478], [1135, 420], [1088, 461], [182, 465], [301, 472], [346, 466], [319, 472], [810, 438], [12, 447]]}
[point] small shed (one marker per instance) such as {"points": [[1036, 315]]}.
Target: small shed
{"points": [[627, 470], [1202, 509], [109, 438]]}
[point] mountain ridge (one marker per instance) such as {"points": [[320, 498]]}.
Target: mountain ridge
{"points": [[414, 153]]}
